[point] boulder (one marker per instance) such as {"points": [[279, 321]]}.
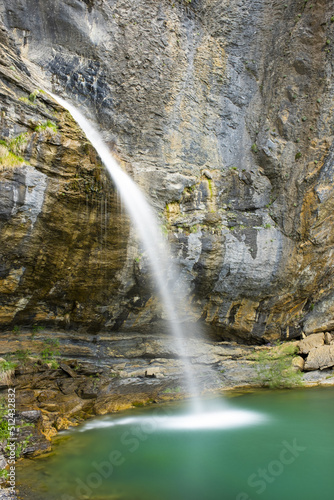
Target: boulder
{"points": [[312, 341], [328, 338], [298, 363], [320, 358]]}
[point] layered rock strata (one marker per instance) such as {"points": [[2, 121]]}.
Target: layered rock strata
{"points": [[221, 111]]}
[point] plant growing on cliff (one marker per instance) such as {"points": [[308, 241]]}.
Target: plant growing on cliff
{"points": [[21, 446], [4, 474], [7, 369], [4, 430], [22, 355], [50, 351], [274, 368], [33, 96], [47, 126], [7, 158]]}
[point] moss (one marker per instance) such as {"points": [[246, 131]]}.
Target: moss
{"points": [[254, 148], [274, 367], [33, 96], [210, 187], [298, 155], [27, 101], [9, 159], [195, 228], [47, 126]]}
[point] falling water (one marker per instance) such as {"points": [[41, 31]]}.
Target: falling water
{"points": [[144, 220]]}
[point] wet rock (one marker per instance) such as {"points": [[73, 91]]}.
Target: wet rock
{"points": [[31, 416], [88, 389], [318, 377], [312, 341], [67, 369]]}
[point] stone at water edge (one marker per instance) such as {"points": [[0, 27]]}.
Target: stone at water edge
{"points": [[312, 341], [298, 363], [320, 358]]}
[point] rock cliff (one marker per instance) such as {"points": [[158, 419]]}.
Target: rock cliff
{"points": [[221, 110]]}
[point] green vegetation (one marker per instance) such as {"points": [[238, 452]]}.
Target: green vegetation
{"points": [[9, 159], [21, 446], [267, 226], [33, 96], [11, 150], [6, 366], [170, 390], [298, 155], [47, 126], [4, 474], [274, 367], [254, 148], [50, 351], [27, 101], [18, 144], [4, 431], [22, 355], [210, 187], [7, 369]]}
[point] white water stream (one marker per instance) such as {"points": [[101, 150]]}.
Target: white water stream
{"points": [[153, 242]]}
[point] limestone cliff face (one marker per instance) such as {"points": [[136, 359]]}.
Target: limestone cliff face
{"points": [[221, 110]]}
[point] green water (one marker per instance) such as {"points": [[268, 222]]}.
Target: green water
{"points": [[283, 450]]}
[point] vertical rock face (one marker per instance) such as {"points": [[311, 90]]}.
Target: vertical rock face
{"points": [[221, 111]]}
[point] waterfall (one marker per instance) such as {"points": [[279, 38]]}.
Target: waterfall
{"points": [[153, 242]]}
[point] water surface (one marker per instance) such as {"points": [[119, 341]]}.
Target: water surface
{"points": [[265, 445]]}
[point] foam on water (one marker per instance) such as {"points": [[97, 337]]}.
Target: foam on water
{"points": [[220, 419]]}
